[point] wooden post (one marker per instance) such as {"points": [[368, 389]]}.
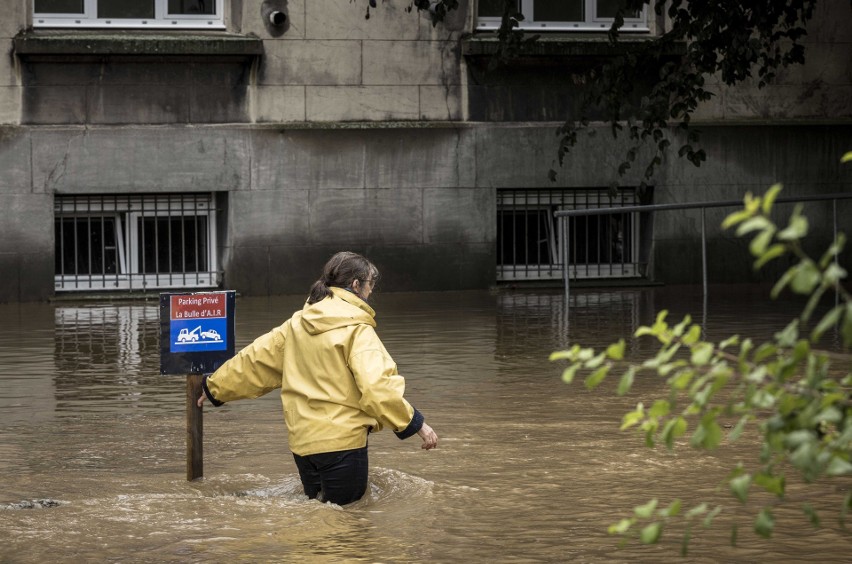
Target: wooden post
{"points": [[194, 429]]}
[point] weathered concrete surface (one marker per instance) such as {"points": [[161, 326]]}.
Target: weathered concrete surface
{"points": [[324, 142], [149, 160]]}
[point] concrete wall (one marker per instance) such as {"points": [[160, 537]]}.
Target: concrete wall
{"points": [[819, 89], [358, 133]]}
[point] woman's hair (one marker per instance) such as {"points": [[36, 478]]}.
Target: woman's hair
{"points": [[342, 270]]}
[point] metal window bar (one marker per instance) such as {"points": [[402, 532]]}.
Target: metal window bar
{"points": [[566, 215]]}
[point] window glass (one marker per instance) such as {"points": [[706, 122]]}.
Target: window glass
{"points": [[491, 8], [608, 8], [173, 244], [126, 9], [558, 10], [181, 7], [85, 245], [59, 6]]}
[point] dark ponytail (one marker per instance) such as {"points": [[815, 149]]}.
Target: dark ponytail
{"points": [[342, 270]]}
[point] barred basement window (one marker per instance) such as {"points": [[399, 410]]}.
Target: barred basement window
{"points": [[135, 242], [530, 240]]}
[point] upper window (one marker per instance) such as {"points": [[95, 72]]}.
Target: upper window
{"points": [[562, 15], [142, 14]]}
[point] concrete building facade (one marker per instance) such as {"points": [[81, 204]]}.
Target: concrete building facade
{"points": [[243, 153]]}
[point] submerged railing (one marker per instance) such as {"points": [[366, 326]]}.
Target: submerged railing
{"points": [[566, 215]]}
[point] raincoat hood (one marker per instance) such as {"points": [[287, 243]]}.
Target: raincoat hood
{"points": [[342, 309]]}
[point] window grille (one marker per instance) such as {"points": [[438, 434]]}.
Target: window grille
{"points": [[135, 242], [530, 240], [562, 15]]}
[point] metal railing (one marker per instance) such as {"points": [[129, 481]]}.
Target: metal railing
{"points": [[566, 215]]}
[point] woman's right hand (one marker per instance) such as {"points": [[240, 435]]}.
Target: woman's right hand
{"points": [[430, 438]]}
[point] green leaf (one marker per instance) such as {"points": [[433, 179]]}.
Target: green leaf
{"points": [[764, 351], [616, 350], [632, 418], [645, 511], [806, 278], [764, 523], [796, 228], [736, 217], [626, 381], [659, 409], [738, 428], [770, 483], [699, 509], [846, 158], [701, 354], [753, 224], [829, 320], [787, 337], [595, 378], [651, 533], [595, 361], [769, 198], [692, 336], [783, 282], [677, 330], [740, 485], [761, 241], [673, 429], [708, 434], [684, 544], [730, 341], [563, 355], [621, 527], [772, 252], [708, 520], [838, 467], [833, 250], [672, 510], [681, 379], [568, 373]]}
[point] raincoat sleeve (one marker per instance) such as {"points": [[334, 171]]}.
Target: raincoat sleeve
{"points": [[381, 386], [254, 371]]}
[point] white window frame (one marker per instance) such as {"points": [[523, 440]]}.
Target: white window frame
{"points": [[89, 18], [592, 22], [126, 211]]}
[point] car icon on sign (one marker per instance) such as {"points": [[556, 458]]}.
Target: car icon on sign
{"points": [[210, 334]]}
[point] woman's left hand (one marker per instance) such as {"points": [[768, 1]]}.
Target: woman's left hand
{"points": [[430, 438]]}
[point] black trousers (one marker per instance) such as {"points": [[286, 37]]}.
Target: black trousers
{"points": [[339, 477]]}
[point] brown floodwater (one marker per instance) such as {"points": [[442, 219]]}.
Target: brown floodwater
{"points": [[529, 469]]}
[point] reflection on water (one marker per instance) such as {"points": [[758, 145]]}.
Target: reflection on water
{"points": [[92, 441]]}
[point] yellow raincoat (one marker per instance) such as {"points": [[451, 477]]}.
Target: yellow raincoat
{"points": [[337, 380]]}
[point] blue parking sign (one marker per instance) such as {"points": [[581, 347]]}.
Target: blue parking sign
{"points": [[196, 331]]}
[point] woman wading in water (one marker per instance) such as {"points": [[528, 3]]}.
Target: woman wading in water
{"points": [[337, 381]]}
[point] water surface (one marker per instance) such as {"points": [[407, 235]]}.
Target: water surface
{"points": [[92, 442]]}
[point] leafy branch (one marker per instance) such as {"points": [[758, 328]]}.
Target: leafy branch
{"points": [[785, 388], [662, 81]]}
